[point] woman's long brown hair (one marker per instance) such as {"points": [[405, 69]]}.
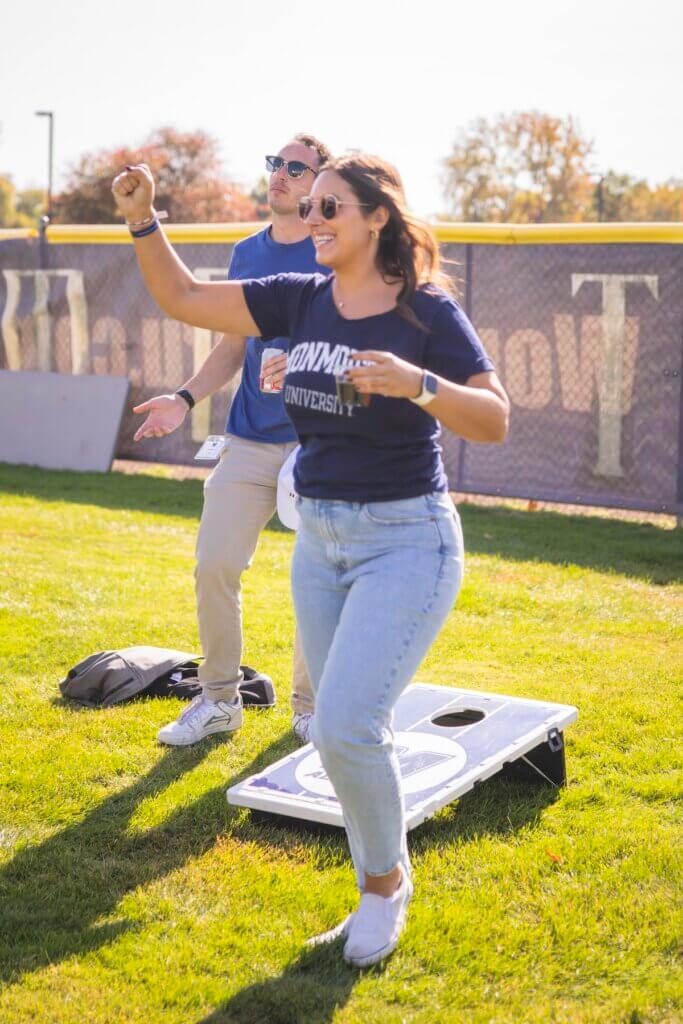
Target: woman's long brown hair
{"points": [[408, 250]]}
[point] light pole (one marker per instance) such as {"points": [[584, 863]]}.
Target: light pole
{"points": [[51, 116]]}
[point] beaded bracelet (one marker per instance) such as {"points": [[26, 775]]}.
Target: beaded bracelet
{"points": [[141, 223], [146, 231], [160, 215]]}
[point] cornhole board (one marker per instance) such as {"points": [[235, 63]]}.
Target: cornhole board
{"points": [[447, 741], [60, 420]]}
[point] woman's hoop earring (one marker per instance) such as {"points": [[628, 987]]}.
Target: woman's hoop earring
{"points": [[374, 234]]}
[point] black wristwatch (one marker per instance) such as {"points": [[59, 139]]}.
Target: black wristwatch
{"points": [[430, 386], [185, 394]]}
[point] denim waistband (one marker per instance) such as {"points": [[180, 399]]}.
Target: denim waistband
{"points": [[354, 522], [432, 501]]}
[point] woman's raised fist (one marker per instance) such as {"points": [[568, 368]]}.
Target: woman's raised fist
{"points": [[133, 191]]}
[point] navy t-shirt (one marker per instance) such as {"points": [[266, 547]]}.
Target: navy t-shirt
{"points": [[389, 449], [254, 414]]}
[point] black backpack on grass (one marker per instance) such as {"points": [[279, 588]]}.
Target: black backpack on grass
{"points": [[112, 677]]}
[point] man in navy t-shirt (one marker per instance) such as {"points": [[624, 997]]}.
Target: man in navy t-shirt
{"points": [[240, 494]]}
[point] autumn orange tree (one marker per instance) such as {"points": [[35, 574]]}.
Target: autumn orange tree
{"points": [[621, 197], [531, 168], [526, 167], [190, 182]]}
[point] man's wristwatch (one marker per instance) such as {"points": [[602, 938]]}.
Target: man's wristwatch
{"points": [[185, 394], [430, 387]]}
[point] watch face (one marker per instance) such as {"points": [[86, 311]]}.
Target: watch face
{"points": [[430, 383]]}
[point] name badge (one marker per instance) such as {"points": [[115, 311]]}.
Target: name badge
{"points": [[211, 449]]}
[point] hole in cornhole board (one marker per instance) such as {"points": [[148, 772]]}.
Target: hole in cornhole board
{"points": [[455, 719]]}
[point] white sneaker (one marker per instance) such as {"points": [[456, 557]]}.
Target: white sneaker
{"points": [[301, 726], [377, 925], [338, 932], [202, 717]]}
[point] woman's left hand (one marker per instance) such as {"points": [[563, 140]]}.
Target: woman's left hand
{"points": [[388, 375]]}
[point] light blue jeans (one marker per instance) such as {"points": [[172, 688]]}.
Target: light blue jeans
{"points": [[372, 584]]}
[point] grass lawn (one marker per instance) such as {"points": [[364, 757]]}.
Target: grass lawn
{"points": [[131, 892]]}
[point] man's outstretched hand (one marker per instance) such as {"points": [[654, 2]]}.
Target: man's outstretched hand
{"points": [[166, 413]]}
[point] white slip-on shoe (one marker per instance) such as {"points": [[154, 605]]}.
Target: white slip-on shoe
{"points": [[340, 931], [301, 726], [377, 925], [202, 717]]}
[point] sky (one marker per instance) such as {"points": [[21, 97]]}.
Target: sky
{"points": [[395, 78]]}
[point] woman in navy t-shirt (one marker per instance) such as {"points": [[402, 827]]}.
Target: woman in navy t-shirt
{"points": [[379, 556]]}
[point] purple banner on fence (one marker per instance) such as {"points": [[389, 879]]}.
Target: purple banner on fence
{"points": [[586, 338]]}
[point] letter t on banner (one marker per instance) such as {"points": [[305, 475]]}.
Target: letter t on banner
{"points": [[611, 384]]}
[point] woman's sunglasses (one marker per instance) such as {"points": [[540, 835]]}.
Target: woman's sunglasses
{"points": [[329, 206], [294, 168]]}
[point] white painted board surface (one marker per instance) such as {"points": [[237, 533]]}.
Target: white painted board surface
{"points": [[60, 420], [438, 764]]}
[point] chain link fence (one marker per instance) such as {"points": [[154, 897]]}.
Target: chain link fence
{"points": [[587, 339]]}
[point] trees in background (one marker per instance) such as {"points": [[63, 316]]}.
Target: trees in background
{"points": [[19, 209], [259, 194], [524, 167], [531, 168], [190, 182], [620, 197]]}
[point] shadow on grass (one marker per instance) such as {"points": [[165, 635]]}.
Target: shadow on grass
{"points": [[310, 990], [52, 894], [127, 492], [640, 550], [498, 807], [106, 490], [318, 983]]}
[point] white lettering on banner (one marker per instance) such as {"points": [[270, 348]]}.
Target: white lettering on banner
{"points": [[596, 354], [78, 318], [109, 349], [10, 333], [61, 347], [611, 378], [151, 352], [490, 339], [581, 360], [163, 360], [597, 368], [201, 347], [528, 369], [42, 320]]}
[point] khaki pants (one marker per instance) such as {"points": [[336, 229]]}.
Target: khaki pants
{"points": [[239, 499]]}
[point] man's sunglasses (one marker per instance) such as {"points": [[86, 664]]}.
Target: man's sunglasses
{"points": [[329, 206], [294, 168]]}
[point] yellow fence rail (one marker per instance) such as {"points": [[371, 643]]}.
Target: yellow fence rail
{"points": [[486, 234], [9, 233]]}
